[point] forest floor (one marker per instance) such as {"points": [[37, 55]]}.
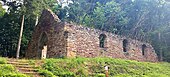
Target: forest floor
{"points": [[81, 67]]}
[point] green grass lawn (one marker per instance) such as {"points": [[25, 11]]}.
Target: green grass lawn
{"points": [[94, 67], [90, 67]]}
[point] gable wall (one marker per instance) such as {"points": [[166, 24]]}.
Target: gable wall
{"points": [[54, 30]]}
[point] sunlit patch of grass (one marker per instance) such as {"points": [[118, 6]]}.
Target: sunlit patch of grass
{"points": [[92, 67], [3, 60]]}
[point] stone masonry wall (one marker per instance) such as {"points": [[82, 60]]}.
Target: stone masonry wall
{"points": [[70, 40], [54, 29], [83, 41]]}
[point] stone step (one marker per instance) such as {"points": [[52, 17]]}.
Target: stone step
{"points": [[18, 63], [31, 72], [17, 60], [28, 69], [26, 66]]}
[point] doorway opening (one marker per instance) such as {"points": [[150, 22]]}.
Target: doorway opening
{"points": [[43, 45]]}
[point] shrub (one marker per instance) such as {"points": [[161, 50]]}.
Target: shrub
{"points": [[3, 61], [14, 75], [7, 70], [46, 73], [67, 74], [82, 72]]}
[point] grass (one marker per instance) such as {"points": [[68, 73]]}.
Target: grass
{"points": [[90, 67], [94, 67], [3, 60], [7, 70]]}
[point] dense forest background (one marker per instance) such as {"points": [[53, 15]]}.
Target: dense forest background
{"points": [[144, 20]]}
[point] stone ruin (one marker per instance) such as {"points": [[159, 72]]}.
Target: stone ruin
{"points": [[53, 38]]}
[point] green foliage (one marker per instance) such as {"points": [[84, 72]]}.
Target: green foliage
{"points": [[46, 73], [3, 60], [94, 67], [100, 75], [105, 16], [9, 71], [35, 7], [56, 70], [2, 11], [15, 75]]}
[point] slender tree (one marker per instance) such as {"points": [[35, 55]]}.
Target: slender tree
{"points": [[20, 37]]}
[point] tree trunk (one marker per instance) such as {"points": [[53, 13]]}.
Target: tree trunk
{"points": [[160, 51], [20, 37], [36, 22]]}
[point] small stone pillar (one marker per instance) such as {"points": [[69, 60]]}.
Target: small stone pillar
{"points": [[44, 52]]}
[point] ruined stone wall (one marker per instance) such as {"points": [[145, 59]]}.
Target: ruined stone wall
{"points": [[83, 41], [70, 40], [54, 29]]}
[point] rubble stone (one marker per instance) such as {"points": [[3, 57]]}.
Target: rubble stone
{"points": [[71, 40]]}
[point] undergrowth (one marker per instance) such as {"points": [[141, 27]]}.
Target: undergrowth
{"points": [[7, 70]]}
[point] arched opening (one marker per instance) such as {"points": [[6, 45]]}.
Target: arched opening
{"points": [[125, 45], [102, 40], [43, 45], [143, 49]]}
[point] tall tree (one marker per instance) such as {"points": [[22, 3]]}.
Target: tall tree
{"points": [[10, 26], [107, 15]]}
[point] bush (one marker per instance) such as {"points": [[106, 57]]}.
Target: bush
{"points": [[3, 61], [82, 72], [15, 75], [7, 70], [67, 74], [46, 73]]}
